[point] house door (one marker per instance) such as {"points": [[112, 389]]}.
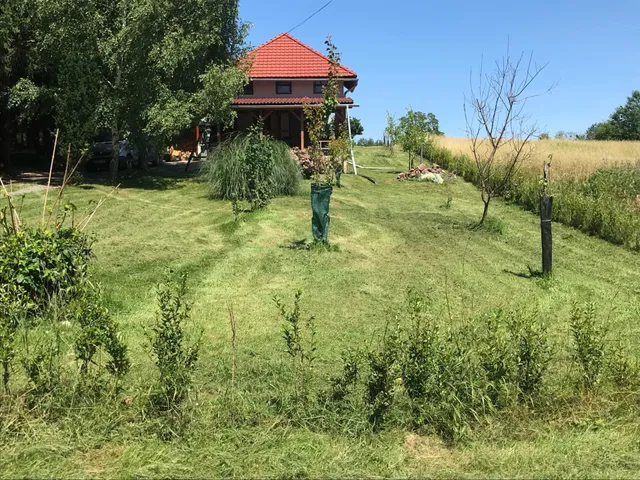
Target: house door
{"points": [[285, 126]]}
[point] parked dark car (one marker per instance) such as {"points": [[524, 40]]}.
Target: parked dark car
{"points": [[128, 156]]}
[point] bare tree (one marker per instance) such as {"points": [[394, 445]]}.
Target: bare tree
{"points": [[497, 124]]}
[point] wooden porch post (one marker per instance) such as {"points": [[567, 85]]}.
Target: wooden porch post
{"points": [[302, 129], [339, 120]]}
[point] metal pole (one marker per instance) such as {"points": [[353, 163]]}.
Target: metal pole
{"points": [[353, 158]]}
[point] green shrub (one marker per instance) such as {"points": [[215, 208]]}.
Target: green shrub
{"points": [[498, 357], [443, 379], [12, 312], [43, 370], [79, 327], [286, 171], [622, 370], [383, 377], [251, 167], [175, 360], [589, 344], [224, 169], [533, 357], [98, 331], [258, 168], [299, 337], [345, 384], [437, 370], [621, 182], [44, 263]]}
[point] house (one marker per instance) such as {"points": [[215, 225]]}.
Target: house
{"points": [[285, 74]]}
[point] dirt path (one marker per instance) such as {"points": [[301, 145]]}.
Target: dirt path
{"points": [[31, 189]]}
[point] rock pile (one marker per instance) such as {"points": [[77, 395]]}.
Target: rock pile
{"points": [[435, 173]]}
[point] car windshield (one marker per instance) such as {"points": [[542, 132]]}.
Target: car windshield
{"points": [[104, 136]]}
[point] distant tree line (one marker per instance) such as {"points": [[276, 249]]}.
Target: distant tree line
{"points": [[370, 142], [623, 124]]}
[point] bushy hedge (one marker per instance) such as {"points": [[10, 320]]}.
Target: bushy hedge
{"points": [[605, 205], [44, 263]]}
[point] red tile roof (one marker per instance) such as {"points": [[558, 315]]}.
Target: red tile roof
{"points": [[284, 100], [287, 57]]}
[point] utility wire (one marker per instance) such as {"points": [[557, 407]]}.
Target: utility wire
{"points": [[311, 16]]}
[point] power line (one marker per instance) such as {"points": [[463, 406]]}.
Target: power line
{"points": [[311, 16]]}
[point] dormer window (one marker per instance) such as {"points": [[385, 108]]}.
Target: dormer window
{"points": [[318, 87], [283, 88], [248, 89]]}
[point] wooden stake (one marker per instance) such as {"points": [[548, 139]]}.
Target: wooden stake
{"points": [[15, 219], [232, 324], [546, 204], [46, 192], [102, 200], [54, 208]]}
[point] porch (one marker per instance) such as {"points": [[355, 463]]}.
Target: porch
{"points": [[287, 124]]}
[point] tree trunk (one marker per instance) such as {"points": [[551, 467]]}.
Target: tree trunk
{"points": [[142, 155], [115, 151], [485, 211], [115, 131], [5, 135], [5, 375], [194, 150]]}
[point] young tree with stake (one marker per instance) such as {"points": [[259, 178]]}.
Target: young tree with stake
{"points": [[498, 125]]}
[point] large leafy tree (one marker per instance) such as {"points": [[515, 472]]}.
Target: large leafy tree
{"points": [[623, 124], [141, 68], [415, 130], [18, 66], [356, 126], [196, 65], [602, 131], [626, 118]]}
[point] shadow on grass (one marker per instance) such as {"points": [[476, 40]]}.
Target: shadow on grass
{"points": [[491, 225], [530, 273], [311, 246], [162, 177], [545, 281]]}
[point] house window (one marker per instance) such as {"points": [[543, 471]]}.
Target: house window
{"points": [[283, 88], [248, 88], [318, 87]]}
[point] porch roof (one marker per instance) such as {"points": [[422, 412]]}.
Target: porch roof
{"points": [[284, 101]]}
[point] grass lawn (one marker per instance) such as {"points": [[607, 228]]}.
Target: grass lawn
{"points": [[388, 237]]}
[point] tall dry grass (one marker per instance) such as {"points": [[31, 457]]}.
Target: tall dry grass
{"points": [[576, 159]]}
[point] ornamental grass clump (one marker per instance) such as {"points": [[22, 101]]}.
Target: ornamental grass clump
{"points": [[252, 167]]}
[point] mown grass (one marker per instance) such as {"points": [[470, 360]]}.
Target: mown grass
{"points": [[388, 237]]}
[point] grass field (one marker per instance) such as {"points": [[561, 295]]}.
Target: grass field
{"points": [[595, 185], [388, 237], [576, 159]]}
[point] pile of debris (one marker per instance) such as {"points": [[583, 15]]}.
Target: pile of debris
{"points": [[435, 173]]}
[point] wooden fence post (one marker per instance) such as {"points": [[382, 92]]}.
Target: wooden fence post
{"points": [[546, 204]]}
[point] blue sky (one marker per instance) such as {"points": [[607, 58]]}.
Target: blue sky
{"points": [[419, 54]]}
